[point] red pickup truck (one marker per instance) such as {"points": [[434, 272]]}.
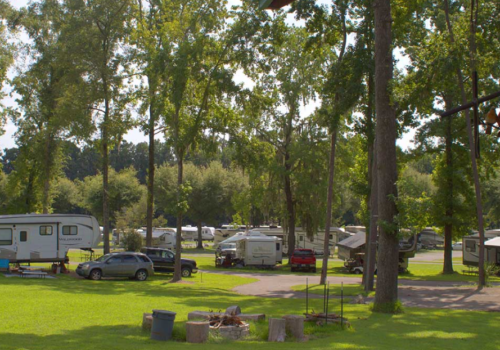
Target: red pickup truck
{"points": [[303, 259]]}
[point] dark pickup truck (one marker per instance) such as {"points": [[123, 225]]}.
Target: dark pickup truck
{"points": [[163, 261]]}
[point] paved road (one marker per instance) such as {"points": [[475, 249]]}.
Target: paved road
{"points": [[431, 294]]}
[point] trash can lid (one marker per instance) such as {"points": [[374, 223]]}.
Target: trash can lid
{"points": [[164, 313]]}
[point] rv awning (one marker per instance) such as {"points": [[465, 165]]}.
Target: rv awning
{"points": [[353, 242], [494, 242]]}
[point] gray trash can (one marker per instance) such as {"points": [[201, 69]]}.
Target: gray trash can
{"points": [[163, 323]]}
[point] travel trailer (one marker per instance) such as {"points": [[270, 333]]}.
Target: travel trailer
{"points": [[190, 233], [470, 246], [226, 231], [163, 237], [46, 237], [352, 250], [250, 248]]}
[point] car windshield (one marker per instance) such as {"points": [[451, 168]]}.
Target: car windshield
{"points": [[104, 257], [303, 253]]}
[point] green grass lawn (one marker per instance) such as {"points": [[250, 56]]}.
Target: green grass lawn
{"points": [[70, 313]]}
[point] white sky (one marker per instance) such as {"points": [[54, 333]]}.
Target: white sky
{"points": [[136, 136]]}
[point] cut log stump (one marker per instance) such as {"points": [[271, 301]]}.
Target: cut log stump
{"points": [[147, 321], [233, 310], [277, 330], [197, 332], [295, 326]]}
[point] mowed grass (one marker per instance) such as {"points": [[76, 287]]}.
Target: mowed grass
{"points": [[72, 313]]}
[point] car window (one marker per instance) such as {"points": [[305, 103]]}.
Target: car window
{"points": [[167, 254], [114, 260], [143, 258], [129, 259], [154, 253]]}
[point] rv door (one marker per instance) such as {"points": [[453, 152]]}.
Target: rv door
{"points": [[23, 240]]}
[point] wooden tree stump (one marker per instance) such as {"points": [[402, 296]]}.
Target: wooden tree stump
{"points": [[147, 321], [295, 326], [277, 330], [233, 310], [197, 332]]}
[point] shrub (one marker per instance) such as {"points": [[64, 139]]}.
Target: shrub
{"points": [[132, 241]]}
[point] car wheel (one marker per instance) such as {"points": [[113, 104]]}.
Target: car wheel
{"points": [[314, 270], [293, 269], [357, 272], [95, 275], [141, 275], [186, 272]]}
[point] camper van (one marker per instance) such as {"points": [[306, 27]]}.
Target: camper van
{"points": [[46, 237]]}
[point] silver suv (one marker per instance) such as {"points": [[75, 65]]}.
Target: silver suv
{"points": [[132, 265]]}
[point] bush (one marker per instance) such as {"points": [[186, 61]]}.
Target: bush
{"points": [[132, 241]]}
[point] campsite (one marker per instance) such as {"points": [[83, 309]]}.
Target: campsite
{"points": [[254, 174]]}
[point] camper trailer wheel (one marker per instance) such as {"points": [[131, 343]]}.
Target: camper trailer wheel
{"points": [[95, 275], [186, 272], [141, 275]]}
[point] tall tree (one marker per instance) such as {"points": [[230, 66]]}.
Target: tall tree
{"points": [[386, 133], [200, 82], [99, 33]]}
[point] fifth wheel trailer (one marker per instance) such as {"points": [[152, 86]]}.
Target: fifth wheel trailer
{"points": [[45, 237]]}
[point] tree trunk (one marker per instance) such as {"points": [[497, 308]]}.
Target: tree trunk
{"points": [[151, 177], [177, 265], [105, 171], [200, 235], [475, 174], [371, 183], [289, 208], [448, 227], [387, 267], [294, 326], [329, 200], [371, 256], [48, 163]]}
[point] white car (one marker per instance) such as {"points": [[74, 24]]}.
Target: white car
{"points": [[457, 246]]}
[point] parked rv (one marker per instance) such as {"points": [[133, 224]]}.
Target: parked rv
{"points": [[163, 237], [250, 249], [190, 233], [471, 248], [46, 237]]}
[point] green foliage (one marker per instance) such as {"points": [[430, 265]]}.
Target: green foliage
{"points": [[124, 192], [67, 198], [131, 240]]}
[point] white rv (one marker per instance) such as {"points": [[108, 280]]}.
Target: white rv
{"points": [[259, 251], [190, 233], [46, 237], [163, 237], [470, 248]]}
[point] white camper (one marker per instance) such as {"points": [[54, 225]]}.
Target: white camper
{"points": [[190, 233], [46, 237], [163, 237], [255, 249]]}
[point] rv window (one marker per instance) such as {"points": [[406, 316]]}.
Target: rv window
{"points": [[5, 236], [277, 247], [70, 230], [470, 246], [301, 238], [23, 236], [45, 230]]}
